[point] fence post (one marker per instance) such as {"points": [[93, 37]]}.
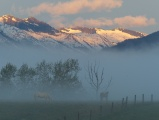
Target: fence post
{"points": [[112, 107], [122, 103], [135, 100], [90, 117], [151, 98], [64, 117], [126, 101], [78, 115], [142, 98], [101, 108]]}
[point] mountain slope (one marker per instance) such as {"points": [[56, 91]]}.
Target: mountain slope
{"points": [[100, 38], [33, 32], [148, 41], [14, 37], [28, 24]]}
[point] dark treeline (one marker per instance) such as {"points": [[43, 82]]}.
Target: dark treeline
{"points": [[61, 74]]}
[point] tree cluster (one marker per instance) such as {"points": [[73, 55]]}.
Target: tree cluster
{"points": [[63, 75]]}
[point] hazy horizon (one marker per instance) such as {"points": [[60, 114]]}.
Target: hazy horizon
{"points": [[132, 72]]}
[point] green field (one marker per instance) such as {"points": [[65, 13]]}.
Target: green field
{"points": [[77, 111]]}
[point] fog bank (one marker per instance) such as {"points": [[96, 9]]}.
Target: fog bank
{"points": [[133, 72]]}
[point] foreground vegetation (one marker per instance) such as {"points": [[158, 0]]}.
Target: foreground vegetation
{"points": [[76, 111]]}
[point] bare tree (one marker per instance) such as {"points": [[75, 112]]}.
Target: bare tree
{"points": [[105, 93], [96, 77], [108, 85]]}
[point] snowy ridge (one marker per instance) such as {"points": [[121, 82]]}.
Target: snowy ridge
{"points": [[32, 32], [115, 35], [69, 30], [99, 38], [13, 36]]}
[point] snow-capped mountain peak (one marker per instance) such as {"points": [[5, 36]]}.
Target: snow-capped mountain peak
{"points": [[131, 32], [100, 31], [70, 30], [9, 19], [78, 30], [35, 32], [121, 31], [31, 19], [28, 24]]}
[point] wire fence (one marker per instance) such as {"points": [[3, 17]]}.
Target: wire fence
{"points": [[107, 107]]}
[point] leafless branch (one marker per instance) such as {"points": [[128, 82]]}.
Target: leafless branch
{"points": [[109, 82], [95, 77]]}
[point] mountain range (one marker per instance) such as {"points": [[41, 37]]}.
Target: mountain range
{"points": [[149, 41], [30, 32]]}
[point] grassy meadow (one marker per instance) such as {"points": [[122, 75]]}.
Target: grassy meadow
{"points": [[77, 111]]}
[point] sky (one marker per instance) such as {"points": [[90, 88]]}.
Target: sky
{"points": [[132, 73], [139, 15]]}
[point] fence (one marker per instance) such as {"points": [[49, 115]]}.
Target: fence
{"points": [[111, 107]]}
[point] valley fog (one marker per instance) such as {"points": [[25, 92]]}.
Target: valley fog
{"points": [[132, 73]]}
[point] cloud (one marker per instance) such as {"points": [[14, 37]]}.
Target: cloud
{"points": [[93, 22], [137, 21], [58, 22], [75, 6], [18, 10], [126, 22]]}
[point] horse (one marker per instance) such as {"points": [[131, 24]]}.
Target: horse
{"points": [[42, 95], [104, 95]]}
